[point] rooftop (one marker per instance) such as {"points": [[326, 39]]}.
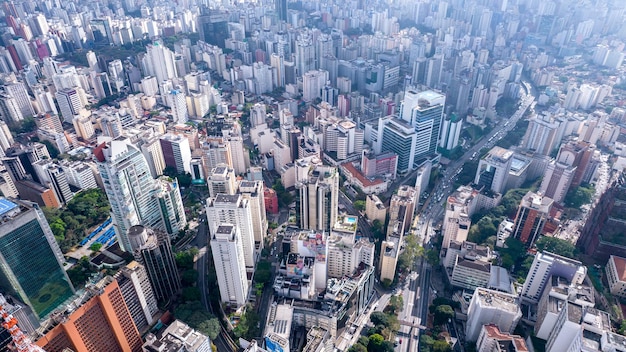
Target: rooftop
{"points": [[495, 299], [620, 267], [6, 206]]}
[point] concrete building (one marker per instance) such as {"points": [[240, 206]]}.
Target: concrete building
{"points": [[176, 152], [345, 254], [317, 203], [532, 214], [278, 327], [399, 137], [230, 266], [557, 180], [374, 208], [221, 179], [31, 263], [616, 275], [235, 210], [457, 218], [253, 192], [493, 169], [178, 336], [544, 266], [173, 214], [389, 253], [424, 112], [152, 151], [491, 307], [100, 309], [401, 208], [138, 295], [491, 339], [153, 250]]}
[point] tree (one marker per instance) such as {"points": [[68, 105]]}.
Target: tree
{"points": [[579, 196], [263, 273], [442, 314], [52, 149], [359, 205], [189, 277], [184, 259], [95, 246], [210, 327], [357, 348], [191, 294], [482, 230], [441, 346], [426, 342], [396, 303], [556, 246]]}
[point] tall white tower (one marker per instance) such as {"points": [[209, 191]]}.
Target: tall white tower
{"points": [[230, 265]]}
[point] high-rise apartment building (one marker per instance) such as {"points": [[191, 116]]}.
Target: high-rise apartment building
{"points": [[544, 266], [129, 186], [138, 295], [492, 307], [98, 320], [401, 208], [253, 191], [153, 250], [176, 152], [457, 218], [236, 210], [532, 214], [177, 101], [423, 111], [31, 263], [345, 254], [70, 103], [318, 192], [230, 265], [221, 179], [152, 151], [542, 135], [159, 62], [493, 169]]}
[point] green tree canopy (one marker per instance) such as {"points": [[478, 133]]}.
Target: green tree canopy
{"points": [[359, 205], [556, 246], [576, 197], [210, 327], [442, 314]]}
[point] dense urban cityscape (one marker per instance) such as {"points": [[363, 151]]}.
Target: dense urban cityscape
{"points": [[314, 176]]}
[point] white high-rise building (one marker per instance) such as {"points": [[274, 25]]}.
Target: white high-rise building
{"points": [[70, 103], [177, 101], [170, 200], [258, 114], [18, 91], [312, 84], [493, 169], [151, 149], [424, 111], [491, 307], [159, 62], [129, 186], [233, 209], [457, 218], [176, 152], [345, 254], [80, 175], [228, 256], [239, 156], [221, 179], [253, 191], [544, 266]]}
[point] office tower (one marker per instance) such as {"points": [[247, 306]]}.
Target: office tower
{"points": [[152, 151], [544, 266], [541, 135], [57, 181], [171, 203], [159, 62], [281, 9], [31, 261], [532, 214], [153, 250], [253, 191], [98, 320], [6, 138], [401, 209], [317, 204], [138, 295], [70, 103], [493, 169], [178, 336], [491, 307], [228, 256], [221, 179], [423, 111], [176, 152], [176, 100], [457, 218], [235, 210], [395, 135], [129, 186]]}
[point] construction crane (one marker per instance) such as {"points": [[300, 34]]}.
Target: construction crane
{"points": [[21, 341]]}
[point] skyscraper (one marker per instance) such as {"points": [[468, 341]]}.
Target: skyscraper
{"points": [[281, 9], [398, 136], [138, 295], [235, 210], [176, 152], [317, 204], [99, 320], [493, 169], [31, 263], [532, 214], [253, 191], [230, 264], [423, 111], [154, 251], [171, 203], [129, 186], [159, 62]]}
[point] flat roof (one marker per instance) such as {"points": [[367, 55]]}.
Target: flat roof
{"points": [[6, 206]]}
